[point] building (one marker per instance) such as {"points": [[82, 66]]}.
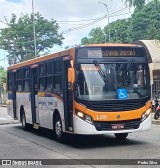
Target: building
{"points": [[153, 54]]}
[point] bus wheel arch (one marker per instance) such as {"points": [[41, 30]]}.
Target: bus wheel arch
{"points": [[57, 126]]}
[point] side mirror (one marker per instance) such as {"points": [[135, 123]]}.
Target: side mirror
{"points": [[71, 75]]}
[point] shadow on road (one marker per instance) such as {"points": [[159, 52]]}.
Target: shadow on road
{"points": [[87, 141]]}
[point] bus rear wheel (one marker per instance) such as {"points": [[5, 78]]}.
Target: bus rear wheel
{"points": [[58, 129], [121, 136]]}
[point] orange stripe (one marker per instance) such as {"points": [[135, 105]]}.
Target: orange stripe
{"points": [[70, 52], [111, 45], [112, 116]]}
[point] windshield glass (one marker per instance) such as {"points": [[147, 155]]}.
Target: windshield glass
{"points": [[111, 81]]}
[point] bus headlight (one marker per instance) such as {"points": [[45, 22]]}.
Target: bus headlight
{"points": [[80, 114], [84, 117], [146, 114]]}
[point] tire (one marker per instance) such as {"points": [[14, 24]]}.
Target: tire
{"points": [[23, 120], [58, 129], [156, 115], [121, 136]]}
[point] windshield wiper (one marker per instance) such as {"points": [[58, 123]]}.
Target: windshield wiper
{"points": [[100, 71]]}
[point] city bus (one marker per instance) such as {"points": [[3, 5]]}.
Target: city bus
{"points": [[86, 90]]}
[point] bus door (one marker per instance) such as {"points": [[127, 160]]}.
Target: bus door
{"points": [[34, 93], [14, 94], [67, 97]]}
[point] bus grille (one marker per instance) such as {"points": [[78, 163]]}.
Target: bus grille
{"points": [[117, 106], [107, 126]]}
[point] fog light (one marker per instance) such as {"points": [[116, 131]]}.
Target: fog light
{"points": [[88, 119]]}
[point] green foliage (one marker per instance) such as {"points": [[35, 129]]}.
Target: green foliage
{"points": [[144, 24], [18, 37], [118, 31], [136, 3], [95, 36], [3, 75]]}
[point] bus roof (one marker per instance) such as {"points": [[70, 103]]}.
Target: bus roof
{"points": [[111, 45], [67, 52]]}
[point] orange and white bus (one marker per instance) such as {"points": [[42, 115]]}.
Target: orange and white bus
{"points": [[91, 89]]}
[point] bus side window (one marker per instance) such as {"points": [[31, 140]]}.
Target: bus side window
{"points": [[20, 85], [49, 83], [26, 85], [41, 84]]}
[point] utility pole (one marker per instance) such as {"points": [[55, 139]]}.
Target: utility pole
{"points": [[108, 21], [34, 31]]}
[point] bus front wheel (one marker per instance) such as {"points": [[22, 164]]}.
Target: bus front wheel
{"points": [[23, 120], [121, 136], [58, 129]]}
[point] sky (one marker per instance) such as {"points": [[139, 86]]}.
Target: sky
{"points": [[76, 18]]}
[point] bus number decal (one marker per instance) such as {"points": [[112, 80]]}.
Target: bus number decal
{"points": [[101, 117]]}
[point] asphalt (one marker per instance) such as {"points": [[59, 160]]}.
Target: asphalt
{"points": [[6, 119]]}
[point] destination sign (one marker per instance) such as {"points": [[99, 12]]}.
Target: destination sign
{"points": [[101, 52], [94, 53], [119, 53], [111, 53]]}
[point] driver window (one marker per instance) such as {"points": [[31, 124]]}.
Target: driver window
{"points": [[140, 77]]}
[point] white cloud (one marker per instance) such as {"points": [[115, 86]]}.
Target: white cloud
{"points": [[66, 10]]}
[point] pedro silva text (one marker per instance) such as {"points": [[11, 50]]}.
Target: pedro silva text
{"points": [[150, 162]]}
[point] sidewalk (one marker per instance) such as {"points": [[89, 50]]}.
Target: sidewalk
{"points": [[4, 117], [155, 121]]}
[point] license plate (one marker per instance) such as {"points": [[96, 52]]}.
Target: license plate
{"points": [[117, 126]]}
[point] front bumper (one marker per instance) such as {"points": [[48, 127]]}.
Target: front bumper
{"points": [[82, 127]]}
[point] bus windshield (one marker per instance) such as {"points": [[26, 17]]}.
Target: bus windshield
{"points": [[109, 81]]}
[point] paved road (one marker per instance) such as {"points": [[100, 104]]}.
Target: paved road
{"points": [[19, 144]]}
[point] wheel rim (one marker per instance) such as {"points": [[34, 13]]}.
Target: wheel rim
{"points": [[58, 128]]}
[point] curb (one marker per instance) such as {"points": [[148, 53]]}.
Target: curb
{"points": [[3, 105], [9, 123], [155, 121]]}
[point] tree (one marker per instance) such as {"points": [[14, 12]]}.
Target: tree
{"points": [[3, 79], [145, 24], [18, 37], [96, 35], [137, 3], [118, 31], [3, 75]]}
